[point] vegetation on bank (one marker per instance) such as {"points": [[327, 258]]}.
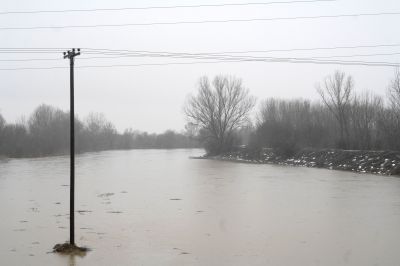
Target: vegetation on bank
{"points": [[375, 162], [46, 132], [343, 118]]}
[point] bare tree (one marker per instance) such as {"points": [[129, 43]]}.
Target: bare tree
{"points": [[191, 130], [365, 112], [100, 133], [48, 127], [336, 93], [2, 122], [394, 91], [218, 110], [391, 117], [286, 125]]}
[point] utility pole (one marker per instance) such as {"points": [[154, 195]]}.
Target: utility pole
{"points": [[71, 55]]}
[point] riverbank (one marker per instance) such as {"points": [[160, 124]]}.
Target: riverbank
{"points": [[374, 162]]}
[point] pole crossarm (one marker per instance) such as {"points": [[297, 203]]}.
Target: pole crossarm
{"points": [[70, 54]]}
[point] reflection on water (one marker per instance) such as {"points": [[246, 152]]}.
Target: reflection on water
{"points": [[157, 207], [71, 261]]}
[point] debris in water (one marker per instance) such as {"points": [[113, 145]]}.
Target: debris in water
{"points": [[59, 215], [114, 212], [105, 195], [83, 211]]}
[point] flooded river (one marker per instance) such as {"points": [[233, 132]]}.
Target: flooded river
{"points": [[158, 207]]}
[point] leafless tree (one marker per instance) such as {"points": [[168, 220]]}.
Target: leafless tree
{"points": [[99, 132], [391, 118], [336, 94], [48, 127], [287, 125], [191, 130], [394, 91], [218, 110], [2, 122], [365, 112]]}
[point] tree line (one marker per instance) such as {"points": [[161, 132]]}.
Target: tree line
{"points": [[342, 119], [46, 132], [219, 118]]}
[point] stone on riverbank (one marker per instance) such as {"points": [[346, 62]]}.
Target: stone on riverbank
{"points": [[376, 162]]}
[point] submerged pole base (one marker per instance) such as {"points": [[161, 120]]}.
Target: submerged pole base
{"points": [[69, 249]]}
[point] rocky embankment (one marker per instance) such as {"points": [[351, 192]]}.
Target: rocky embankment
{"points": [[375, 162]]}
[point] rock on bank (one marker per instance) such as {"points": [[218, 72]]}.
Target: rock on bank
{"points": [[376, 162]]}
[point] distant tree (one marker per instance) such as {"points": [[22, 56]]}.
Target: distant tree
{"points": [[2, 122], [336, 92], [15, 140], [276, 125], [390, 119], [2, 125], [126, 139], [365, 112], [287, 125], [394, 91], [218, 110], [100, 134], [49, 130], [191, 130]]}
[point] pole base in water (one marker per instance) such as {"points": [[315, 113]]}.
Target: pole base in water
{"points": [[68, 249]]}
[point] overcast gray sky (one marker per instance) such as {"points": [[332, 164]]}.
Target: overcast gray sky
{"points": [[150, 98]]}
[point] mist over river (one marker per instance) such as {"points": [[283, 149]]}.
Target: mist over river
{"points": [[158, 207]]}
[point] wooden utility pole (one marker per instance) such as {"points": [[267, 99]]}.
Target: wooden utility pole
{"points": [[71, 55]]}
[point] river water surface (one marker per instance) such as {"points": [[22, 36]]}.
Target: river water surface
{"points": [[158, 207]]}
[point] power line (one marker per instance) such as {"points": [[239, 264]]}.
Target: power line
{"points": [[162, 7], [270, 60], [205, 21], [213, 56], [227, 56], [190, 55], [260, 51], [101, 50], [274, 60], [203, 56], [111, 53], [31, 59], [197, 56], [29, 52], [232, 57], [357, 55]]}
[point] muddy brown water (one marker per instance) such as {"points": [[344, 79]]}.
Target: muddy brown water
{"points": [[158, 207]]}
